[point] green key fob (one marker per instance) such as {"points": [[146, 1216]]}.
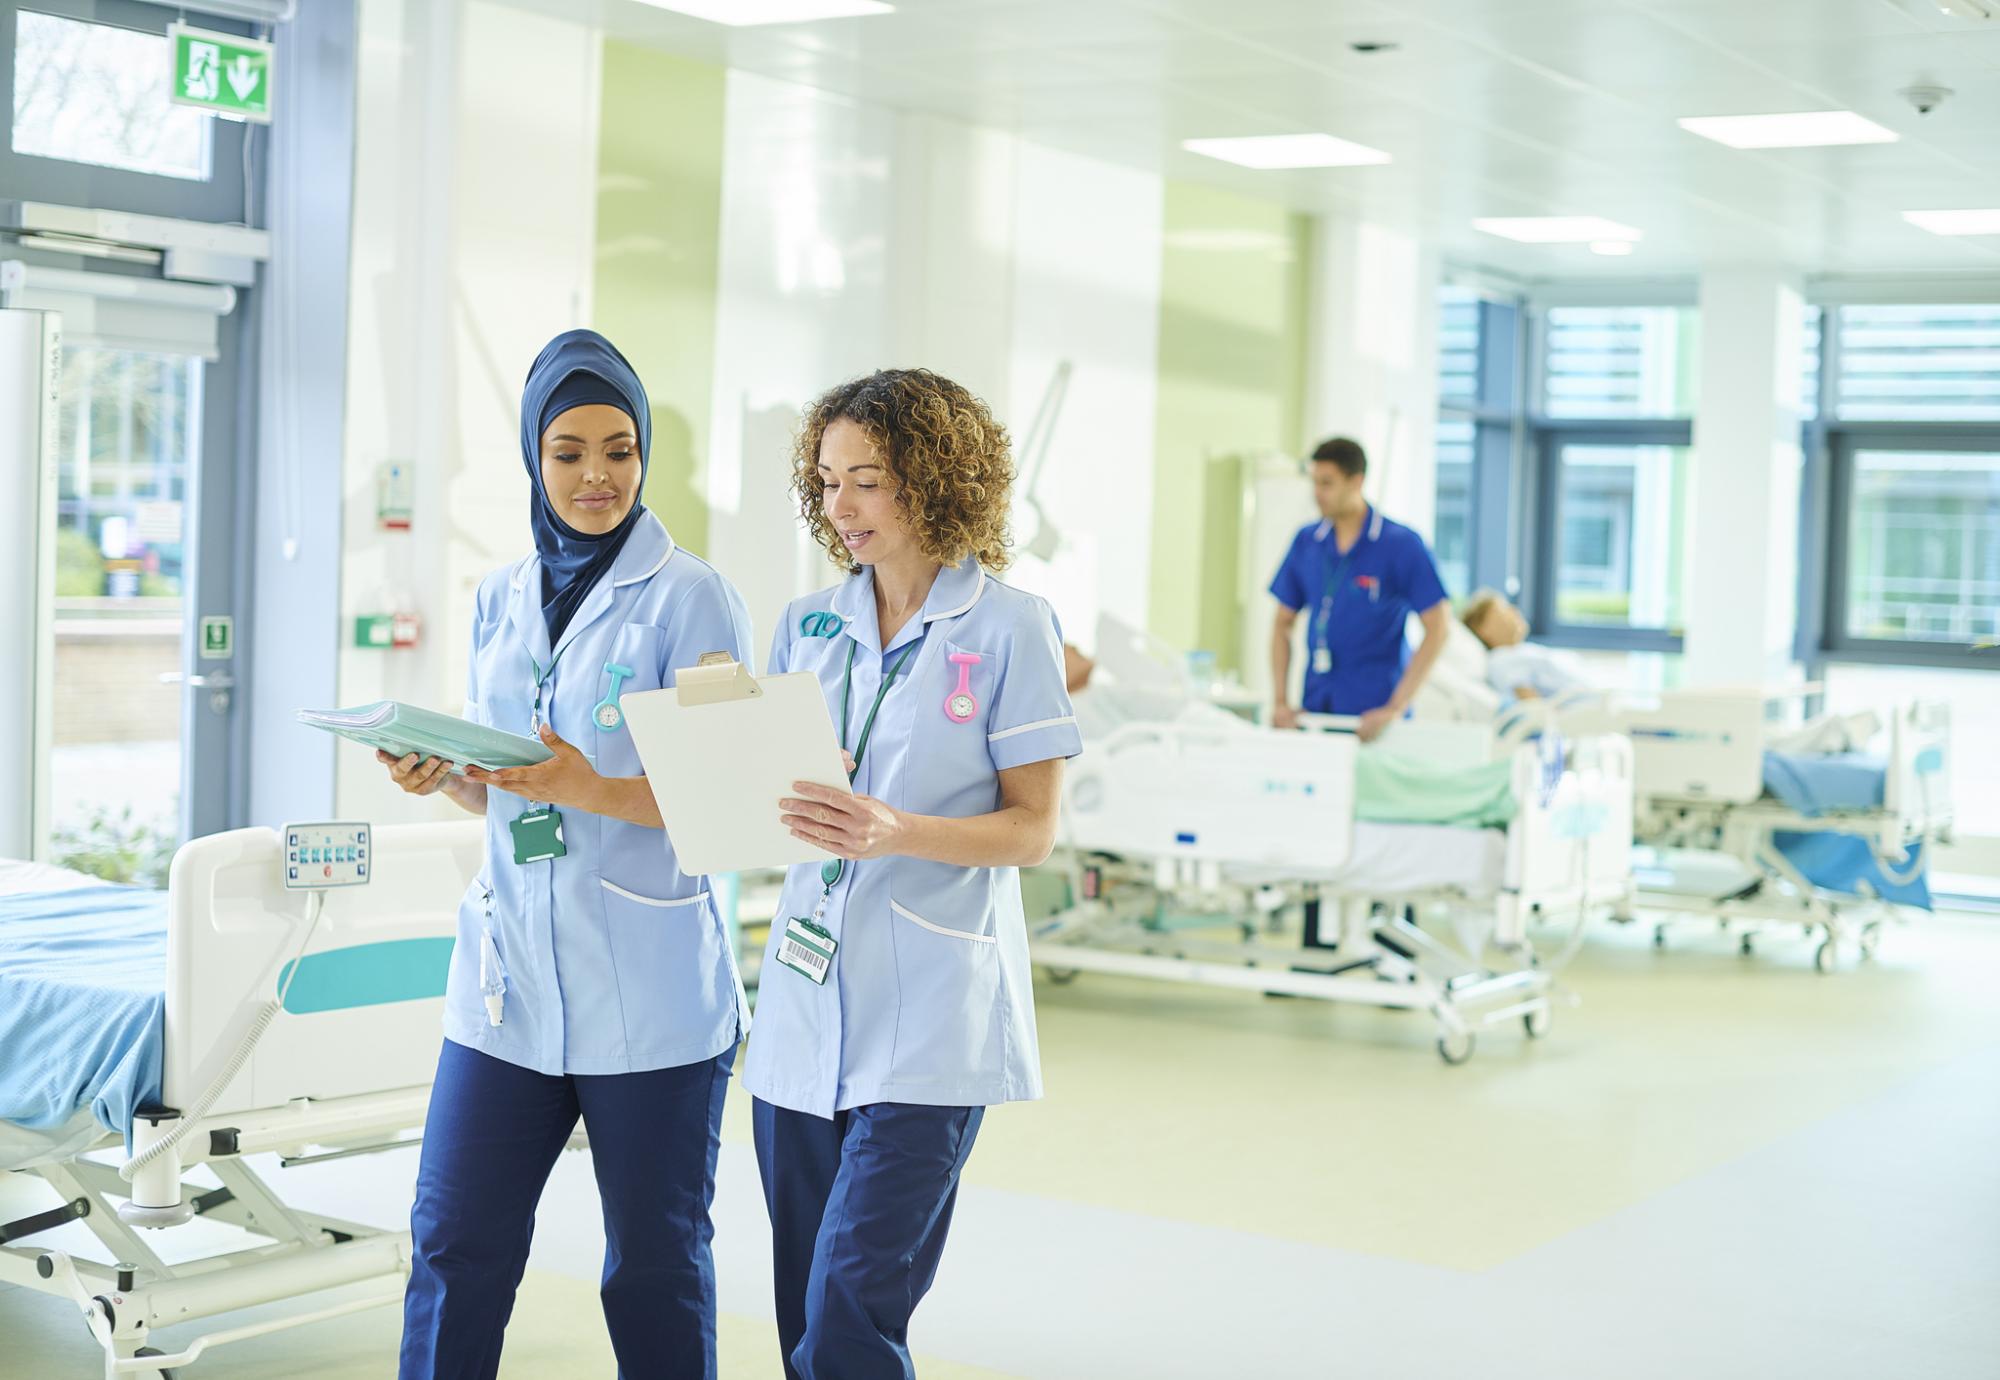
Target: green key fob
{"points": [[538, 836]]}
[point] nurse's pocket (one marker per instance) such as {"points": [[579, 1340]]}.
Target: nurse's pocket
{"points": [[668, 952], [947, 971]]}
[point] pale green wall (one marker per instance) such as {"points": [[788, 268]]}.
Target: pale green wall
{"points": [[659, 211], [1231, 385]]}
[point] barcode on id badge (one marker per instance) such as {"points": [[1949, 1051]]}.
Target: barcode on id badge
{"points": [[811, 961]]}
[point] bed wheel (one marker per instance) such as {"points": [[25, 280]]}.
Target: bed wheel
{"points": [[155, 1351], [1871, 938], [1061, 977], [1747, 946], [1824, 956], [1455, 1048], [1536, 1023], [1659, 936]]}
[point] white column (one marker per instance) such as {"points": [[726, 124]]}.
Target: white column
{"points": [[1742, 543], [1371, 365]]}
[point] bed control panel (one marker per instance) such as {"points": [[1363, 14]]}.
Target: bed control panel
{"points": [[332, 854]]}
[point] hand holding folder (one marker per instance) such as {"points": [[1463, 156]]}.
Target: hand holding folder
{"points": [[721, 748]]}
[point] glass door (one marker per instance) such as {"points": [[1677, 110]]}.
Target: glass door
{"points": [[130, 429]]}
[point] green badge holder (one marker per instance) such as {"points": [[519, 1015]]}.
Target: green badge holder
{"points": [[538, 836]]}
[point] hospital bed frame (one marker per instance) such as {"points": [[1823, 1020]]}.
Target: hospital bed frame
{"points": [[1699, 758], [1241, 826], [320, 1084]]}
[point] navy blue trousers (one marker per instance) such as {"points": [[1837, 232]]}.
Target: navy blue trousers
{"points": [[860, 1205], [491, 1138]]}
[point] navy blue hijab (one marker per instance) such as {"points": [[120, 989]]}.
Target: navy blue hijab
{"points": [[576, 369]]}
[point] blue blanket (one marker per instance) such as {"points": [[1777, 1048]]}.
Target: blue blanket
{"points": [[82, 1002], [1817, 785], [1814, 786]]}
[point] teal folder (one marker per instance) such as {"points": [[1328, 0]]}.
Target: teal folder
{"points": [[400, 729]]}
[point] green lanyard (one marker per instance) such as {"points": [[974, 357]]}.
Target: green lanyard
{"points": [[831, 870], [541, 679]]}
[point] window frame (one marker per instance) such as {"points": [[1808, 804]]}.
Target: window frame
{"points": [[1842, 443], [1495, 413], [1552, 435], [32, 177]]}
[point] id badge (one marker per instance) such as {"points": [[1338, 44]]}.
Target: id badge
{"points": [[538, 836], [808, 949], [1322, 660]]}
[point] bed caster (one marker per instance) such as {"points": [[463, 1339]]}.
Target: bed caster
{"points": [[1747, 946], [1659, 936], [1825, 956], [1061, 977], [1536, 1023], [155, 1351], [1871, 939], [1455, 1047]]}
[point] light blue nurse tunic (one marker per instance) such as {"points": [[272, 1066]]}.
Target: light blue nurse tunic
{"points": [[615, 961], [930, 999]]}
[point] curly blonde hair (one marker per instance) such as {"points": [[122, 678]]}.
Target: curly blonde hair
{"points": [[948, 460]]}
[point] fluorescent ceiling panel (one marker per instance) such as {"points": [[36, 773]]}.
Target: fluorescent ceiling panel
{"points": [[1808, 129], [1956, 222], [742, 12], [1613, 248], [1555, 229], [1269, 151]]}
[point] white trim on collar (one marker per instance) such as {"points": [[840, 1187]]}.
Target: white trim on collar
{"points": [[1325, 526], [1375, 524], [672, 546], [977, 589]]}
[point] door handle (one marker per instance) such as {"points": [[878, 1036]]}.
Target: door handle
{"points": [[219, 680]]}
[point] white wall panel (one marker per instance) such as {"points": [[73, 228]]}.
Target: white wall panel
{"points": [[804, 300], [1086, 289], [473, 228]]}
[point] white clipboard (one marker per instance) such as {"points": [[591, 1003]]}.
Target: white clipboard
{"points": [[721, 748]]}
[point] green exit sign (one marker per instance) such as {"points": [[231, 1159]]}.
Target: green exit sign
{"points": [[221, 73]]}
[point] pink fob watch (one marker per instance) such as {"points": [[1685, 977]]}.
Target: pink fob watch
{"points": [[959, 705]]}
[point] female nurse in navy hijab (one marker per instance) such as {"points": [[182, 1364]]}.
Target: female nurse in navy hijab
{"points": [[592, 977]]}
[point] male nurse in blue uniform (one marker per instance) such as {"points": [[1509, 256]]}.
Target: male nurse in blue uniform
{"points": [[1356, 577]]}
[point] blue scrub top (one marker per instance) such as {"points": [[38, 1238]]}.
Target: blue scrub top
{"points": [[615, 960], [1379, 582], [930, 999]]}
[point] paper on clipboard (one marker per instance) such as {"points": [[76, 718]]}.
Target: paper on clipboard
{"points": [[721, 748]]}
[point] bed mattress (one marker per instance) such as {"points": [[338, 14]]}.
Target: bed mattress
{"points": [[1403, 859], [82, 1002]]}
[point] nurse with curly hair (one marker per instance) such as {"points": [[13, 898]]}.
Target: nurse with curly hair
{"points": [[896, 1002]]}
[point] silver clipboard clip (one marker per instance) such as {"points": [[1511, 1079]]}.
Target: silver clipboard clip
{"points": [[714, 679]]}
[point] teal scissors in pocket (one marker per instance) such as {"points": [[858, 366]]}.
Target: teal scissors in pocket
{"points": [[821, 623]]}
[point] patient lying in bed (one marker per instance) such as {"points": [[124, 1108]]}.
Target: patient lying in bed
{"points": [[1515, 667]]}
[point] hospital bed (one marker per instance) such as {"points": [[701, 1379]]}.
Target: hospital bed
{"points": [[1738, 821], [342, 1067], [1834, 842], [1176, 826]]}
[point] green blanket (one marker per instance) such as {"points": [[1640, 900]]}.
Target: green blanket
{"points": [[1401, 790]]}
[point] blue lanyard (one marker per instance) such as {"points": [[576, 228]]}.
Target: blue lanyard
{"points": [[1333, 579]]}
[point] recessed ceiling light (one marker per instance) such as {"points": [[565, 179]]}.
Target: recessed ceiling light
{"points": [[1956, 222], [1807, 129], [1287, 151], [1613, 248], [1555, 229], [740, 12]]}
